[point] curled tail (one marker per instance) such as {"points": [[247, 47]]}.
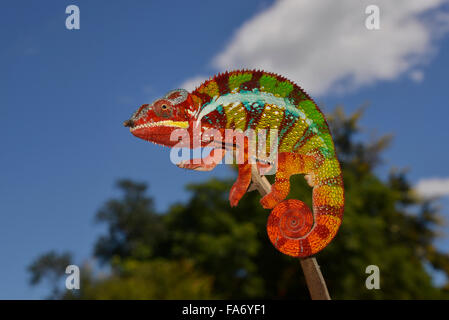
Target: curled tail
{"points": [[296, 231]]}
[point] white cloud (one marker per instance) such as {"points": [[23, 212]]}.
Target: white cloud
{"points": [[323, 45], [433, 187]]}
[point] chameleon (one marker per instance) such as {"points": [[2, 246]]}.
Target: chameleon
{"points": [[259, 100]]}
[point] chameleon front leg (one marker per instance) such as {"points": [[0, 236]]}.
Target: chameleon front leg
{"points": [[288, 165], [241, 184], [206, 164]]}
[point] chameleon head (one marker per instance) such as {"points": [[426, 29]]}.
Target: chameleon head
{"points": [[156, 121]]}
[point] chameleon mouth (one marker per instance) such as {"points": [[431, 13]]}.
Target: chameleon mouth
{"points": [[165, 123]]}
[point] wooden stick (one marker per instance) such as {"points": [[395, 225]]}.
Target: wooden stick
{"points": [[314, 278]]}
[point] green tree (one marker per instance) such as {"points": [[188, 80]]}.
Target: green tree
{"points": [[134, 228], [205, 249], [50, 266], [153, 279]]}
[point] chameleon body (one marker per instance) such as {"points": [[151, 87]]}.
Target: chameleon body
{"points": [[253, 99]]}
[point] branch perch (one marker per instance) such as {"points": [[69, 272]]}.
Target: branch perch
{"points": [[314, 279]]}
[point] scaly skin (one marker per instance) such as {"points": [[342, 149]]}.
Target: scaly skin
{"points": [[250, 99]]}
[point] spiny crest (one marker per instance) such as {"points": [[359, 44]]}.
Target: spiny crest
{"points": [[246, 79]]}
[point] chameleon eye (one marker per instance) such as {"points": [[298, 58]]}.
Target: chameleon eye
{"points": [[163, 109]]}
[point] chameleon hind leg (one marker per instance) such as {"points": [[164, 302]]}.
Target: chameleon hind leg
{"points": [[288, 164]]}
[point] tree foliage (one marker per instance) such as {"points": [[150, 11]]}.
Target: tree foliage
{"points": [[205, 249]]}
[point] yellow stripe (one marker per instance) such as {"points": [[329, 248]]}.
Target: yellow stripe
{"points": [[235, 116], [181, 124], [313, 143], [329, 168], [170, 123], [269, 120], [292, 137], [328, 195]]}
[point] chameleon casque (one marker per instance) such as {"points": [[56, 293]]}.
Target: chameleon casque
{"points": [[250, 99]]}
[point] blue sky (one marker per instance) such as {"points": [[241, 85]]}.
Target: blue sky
{"points": [[65, 93]]}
